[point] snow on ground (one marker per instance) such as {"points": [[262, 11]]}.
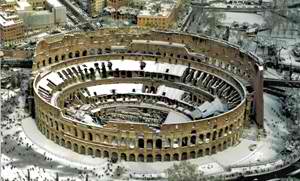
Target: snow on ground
{"points": [[241, 18]]}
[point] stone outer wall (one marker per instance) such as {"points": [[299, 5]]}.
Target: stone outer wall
{"points": [[118, 140]]}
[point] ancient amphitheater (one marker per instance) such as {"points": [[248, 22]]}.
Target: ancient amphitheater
{"points": [[142, 95]]}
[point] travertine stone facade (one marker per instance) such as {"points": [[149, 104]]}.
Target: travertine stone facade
{"points": [[220, 62]]}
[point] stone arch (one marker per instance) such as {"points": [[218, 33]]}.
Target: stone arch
{"points": [[141, 158], [69, 144], [149, 144], [123, 141], [75, 132], [90, 151], [149, 158], [105, 139], [77, 54], [114, 140], [158, 157], [215, 135], [56, 58], [63, 57], [192, 154], [201, 138], [208, 135], [106, 154], [98, 153], [49, 60], [90, 136], [167, 157], [184, 141], [75, 147], [62, 142], [82, 150], [224, 145], [219, 147], [207, 151], [56, 125], [114, 157], [57, 139], [226, 129], [184, 156], [70, 55], [44, 63], [132, 157], [84, 53], [176, 156], [200, 153], [220, 133], [158, 144], [213, 150], [141, 143], [123, 157]]}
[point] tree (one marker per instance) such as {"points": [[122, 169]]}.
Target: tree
{"points": [[184, 171]]}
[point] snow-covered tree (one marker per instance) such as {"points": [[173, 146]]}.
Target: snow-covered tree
{"points": [[184, 171]]}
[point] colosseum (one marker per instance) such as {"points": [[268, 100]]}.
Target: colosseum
{"points": [[144, 95]]}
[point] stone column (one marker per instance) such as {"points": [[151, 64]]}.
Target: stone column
{"points": [[258, 97]]}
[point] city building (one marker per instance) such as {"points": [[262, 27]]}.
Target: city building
{"points": [[95, 7], [11, 29], [58, 10], [160, 15], [37, 4]]}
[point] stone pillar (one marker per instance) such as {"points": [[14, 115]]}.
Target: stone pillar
{"points": [[258, 97]]}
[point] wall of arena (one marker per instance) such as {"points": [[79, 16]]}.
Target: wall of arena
{"points": [[137, 142]]}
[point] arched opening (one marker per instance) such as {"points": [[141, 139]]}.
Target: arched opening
{"points": [[192, 154], [84, 53], [201, 138], [63, 57], [44, 63], [207, 151], [90, 151], [82, 150], [56, 58], [224, 145], [184, 141], [158, 157], [68, 145], [193, 140], [98, 153], [123, 157], [141, 143], [220, 133], [99, 51], [208, 136], [176, 157], [167, 157], [149, 158], [105, 154], [105, 139], [57, 140], [141, 158], [184, 156], [49, 60], [56, 125], [149, 144], [200, 153], [114, 140], [75, 147], [62, 142], [220, 147], [90, 137], [213, 150], [226, 129], [77, 54], [132, 157], [158, 144], [215, 135], [114, 157]]}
